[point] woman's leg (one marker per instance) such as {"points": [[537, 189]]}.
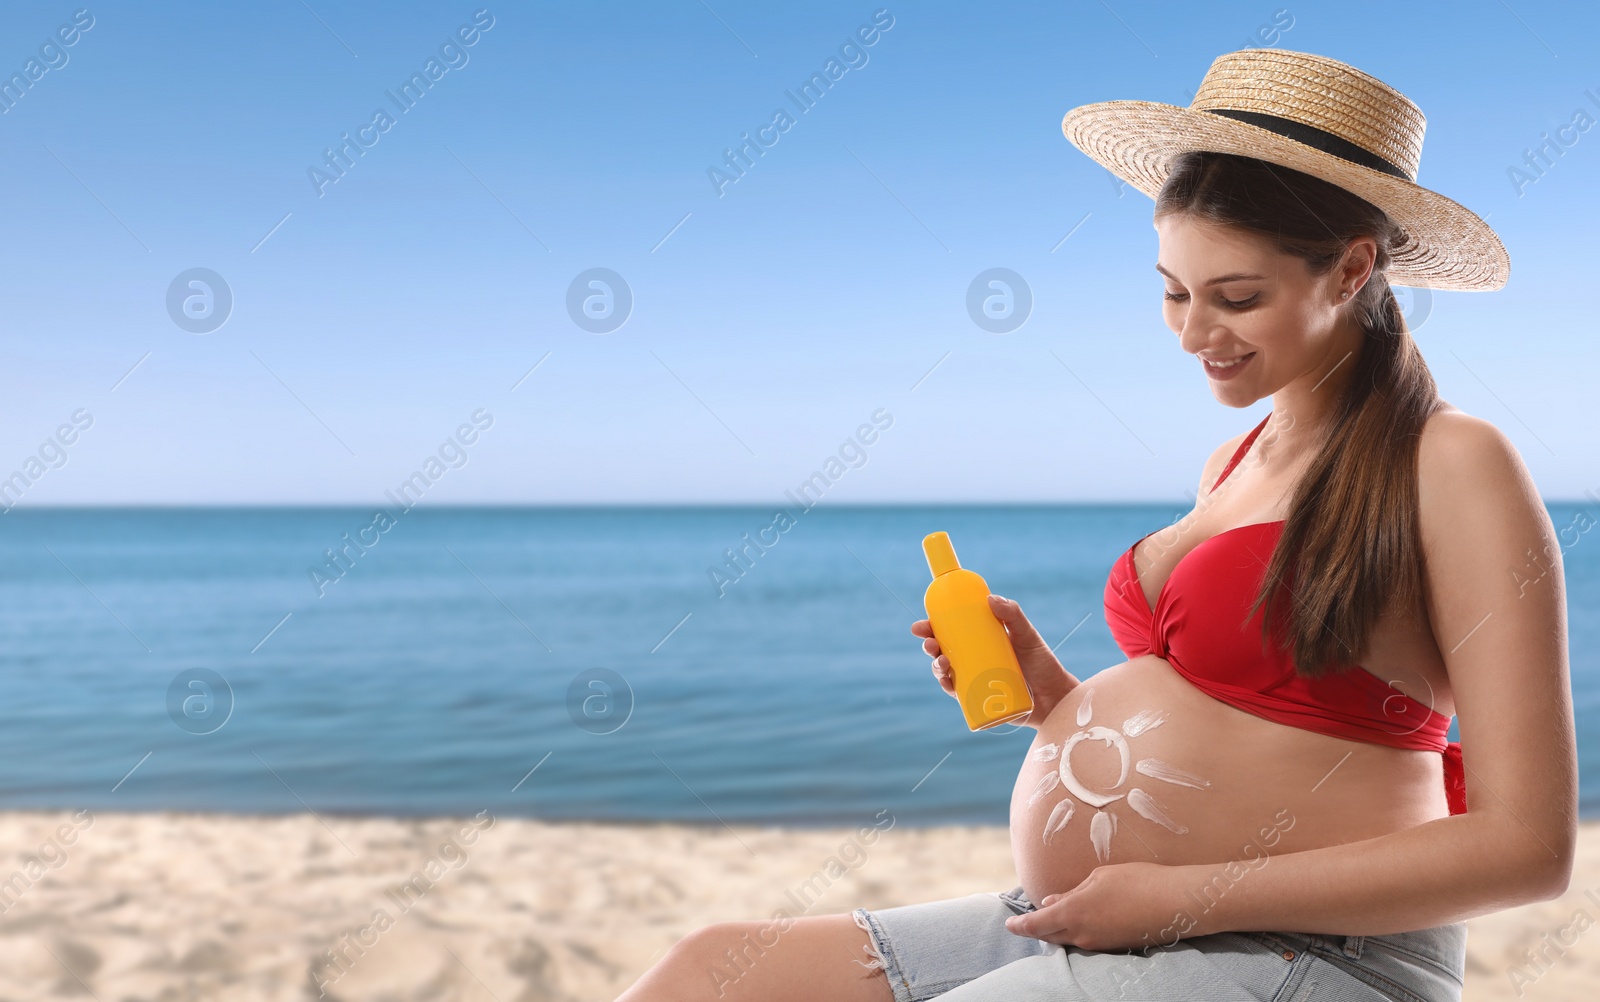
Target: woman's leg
{"points": [[908, 953], [815, 958]]}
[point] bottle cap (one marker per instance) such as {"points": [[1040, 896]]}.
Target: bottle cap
{"points": [[941, 555]]}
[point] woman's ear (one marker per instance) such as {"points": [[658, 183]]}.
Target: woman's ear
{"points": [[1356, 267]]}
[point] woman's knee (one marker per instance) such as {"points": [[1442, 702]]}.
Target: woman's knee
{"points": [[808, 958], [688, 969], [721, 947], [709, 939]]}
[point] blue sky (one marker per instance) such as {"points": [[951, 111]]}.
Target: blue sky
{"points": [[770, 320]]}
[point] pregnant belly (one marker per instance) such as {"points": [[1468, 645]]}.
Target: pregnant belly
{"points": [[1138, 764]]}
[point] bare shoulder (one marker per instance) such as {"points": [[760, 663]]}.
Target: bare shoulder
{"points": [[1464, 459], [1475, 492], [1219, 459]]}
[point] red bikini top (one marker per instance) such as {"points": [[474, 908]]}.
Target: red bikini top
{"points": [[1198, 626]]}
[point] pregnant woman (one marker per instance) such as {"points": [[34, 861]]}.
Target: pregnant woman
{"points": [[1261, 803]]}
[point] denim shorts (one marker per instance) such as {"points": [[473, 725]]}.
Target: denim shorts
{"points": [[959, 950]]}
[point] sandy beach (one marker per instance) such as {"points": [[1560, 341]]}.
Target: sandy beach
{"points": [[173, 906]]}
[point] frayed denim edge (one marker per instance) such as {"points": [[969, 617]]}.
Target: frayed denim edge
{"points": [[882, 956]]}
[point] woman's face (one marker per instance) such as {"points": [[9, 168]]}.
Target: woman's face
{"points": [[1232, 297]]}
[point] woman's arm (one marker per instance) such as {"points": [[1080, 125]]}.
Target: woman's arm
{"points": [[1496, 602]]}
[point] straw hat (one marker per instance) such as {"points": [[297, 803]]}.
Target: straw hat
{"points": [[1319, 116]]}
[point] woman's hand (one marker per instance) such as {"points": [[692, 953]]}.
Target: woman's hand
{"points": [[1047, 680], [1118, 906]]}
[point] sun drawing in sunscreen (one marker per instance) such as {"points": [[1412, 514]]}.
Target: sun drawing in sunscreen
{"points": [[1104, 824]]}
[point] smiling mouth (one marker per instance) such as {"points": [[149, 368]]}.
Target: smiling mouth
{"points": [[1230, 364]]}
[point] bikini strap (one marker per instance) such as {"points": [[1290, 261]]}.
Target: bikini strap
{"points": [[1238, 453]]}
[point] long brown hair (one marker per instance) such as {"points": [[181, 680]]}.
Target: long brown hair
{"points": [[1350, 545]]}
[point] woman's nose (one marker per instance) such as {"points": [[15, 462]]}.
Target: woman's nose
{"points": [[1192, 335]]}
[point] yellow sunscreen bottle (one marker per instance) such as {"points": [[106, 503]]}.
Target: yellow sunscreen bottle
{"points": [[983, 666]]}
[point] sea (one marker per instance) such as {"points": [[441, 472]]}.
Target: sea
{"points": [[707, 665]]}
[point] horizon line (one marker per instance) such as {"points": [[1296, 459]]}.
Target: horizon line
{"points": [[480, 505]]}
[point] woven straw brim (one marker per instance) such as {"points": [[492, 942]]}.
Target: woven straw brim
{"points": [[1447, 246]]}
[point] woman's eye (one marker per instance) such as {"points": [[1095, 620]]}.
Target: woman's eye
{"points": [[1179, 297]]}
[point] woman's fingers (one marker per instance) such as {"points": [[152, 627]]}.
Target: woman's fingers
{"points": [[941, 664], [1044, 922], [1024, 638]]}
